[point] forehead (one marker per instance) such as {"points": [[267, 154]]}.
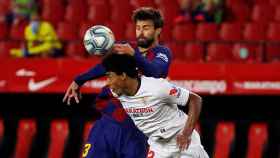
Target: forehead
{"points": [[144, 23]]}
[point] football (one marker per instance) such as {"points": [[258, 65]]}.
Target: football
{"points": [[98, 40]]}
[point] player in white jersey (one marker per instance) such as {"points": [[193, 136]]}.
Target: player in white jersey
{"points": [[152, 105]]}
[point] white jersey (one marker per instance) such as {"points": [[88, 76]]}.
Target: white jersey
{"points": [[154, 109]]}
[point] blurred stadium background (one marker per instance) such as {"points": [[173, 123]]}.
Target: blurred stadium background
{"points": [[233, 64]]}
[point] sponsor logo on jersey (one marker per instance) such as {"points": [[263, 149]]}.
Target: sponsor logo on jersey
{"points": [[139, 110], [175, 92], [162, 56]]}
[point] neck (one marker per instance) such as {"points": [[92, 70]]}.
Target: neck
{"points": [[142, 50], [132, 87]]}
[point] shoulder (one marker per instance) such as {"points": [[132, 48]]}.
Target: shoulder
{"points": [[162, 52], [154, 84]]}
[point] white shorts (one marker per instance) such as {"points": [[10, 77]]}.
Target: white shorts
{"points": [[169, 149]]}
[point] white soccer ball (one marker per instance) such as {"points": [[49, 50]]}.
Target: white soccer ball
{"points": [[98, 40]]}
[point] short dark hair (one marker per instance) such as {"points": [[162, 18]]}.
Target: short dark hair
{"points": [[148, 13], [121, 63]]}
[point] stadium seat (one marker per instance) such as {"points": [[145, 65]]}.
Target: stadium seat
{"points": [[247, 53], [240, 12], [274, 2], [230, 3], [194, 52], [184, 32], [5, 47], [166, 33], [231, 31], [207, 32], [273, 33], [17, 31], [277, 14], [121, 13], [130, 32], [75, 49], [218, 52], [224, 138], [53, 15], [99, 14], [76, 14], [261, 2], [118, 29], [67, 31], [83, 28], [177, 50], [169, 12], [98, 2], [257, 139], [143, 3], [254, 32], [58, 137], [262, 13], [3, 31], [25, 134], [272, 52]]}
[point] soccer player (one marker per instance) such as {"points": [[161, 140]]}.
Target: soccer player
{"points": [[152, 105], [152, 60]]}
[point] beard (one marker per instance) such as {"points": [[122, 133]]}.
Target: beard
{"points": [[145, 42]]}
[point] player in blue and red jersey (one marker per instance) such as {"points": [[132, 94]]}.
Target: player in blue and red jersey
{"points": [[114, 135]]}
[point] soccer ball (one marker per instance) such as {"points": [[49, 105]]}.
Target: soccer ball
{"points": [[98, 40]]}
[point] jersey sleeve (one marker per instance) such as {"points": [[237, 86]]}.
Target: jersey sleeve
{"points": [[95, 72], [174, 94], [157, 67]]}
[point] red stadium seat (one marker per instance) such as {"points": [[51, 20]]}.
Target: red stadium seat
{"points": [[262, 13], [99, 14], [194, 52], [121, 13], [277, 14], [207, 32], [130, 32], [83, 28], [5, 47], [184, 32], [230, 3], [257, 139], [241, 12], [169, 12], [17, 31], [231, 31], [274, 2], [53, 15], [97, 2], [67, 31], [76, 14], [58, 137], [260, 2], [254, 32], [118, 29], [177, 50], [75, 50], [272, 52], [25, 134], [273, 33], [143, 3], [247, 53], [217, 52], [166, 33], [224, 137], [3, 31]]}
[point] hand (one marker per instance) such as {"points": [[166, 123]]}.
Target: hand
{"points": [[183, 141], [73, 91], [124, 49]]}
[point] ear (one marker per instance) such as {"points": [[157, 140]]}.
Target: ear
{"points": [[158, 31]]}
